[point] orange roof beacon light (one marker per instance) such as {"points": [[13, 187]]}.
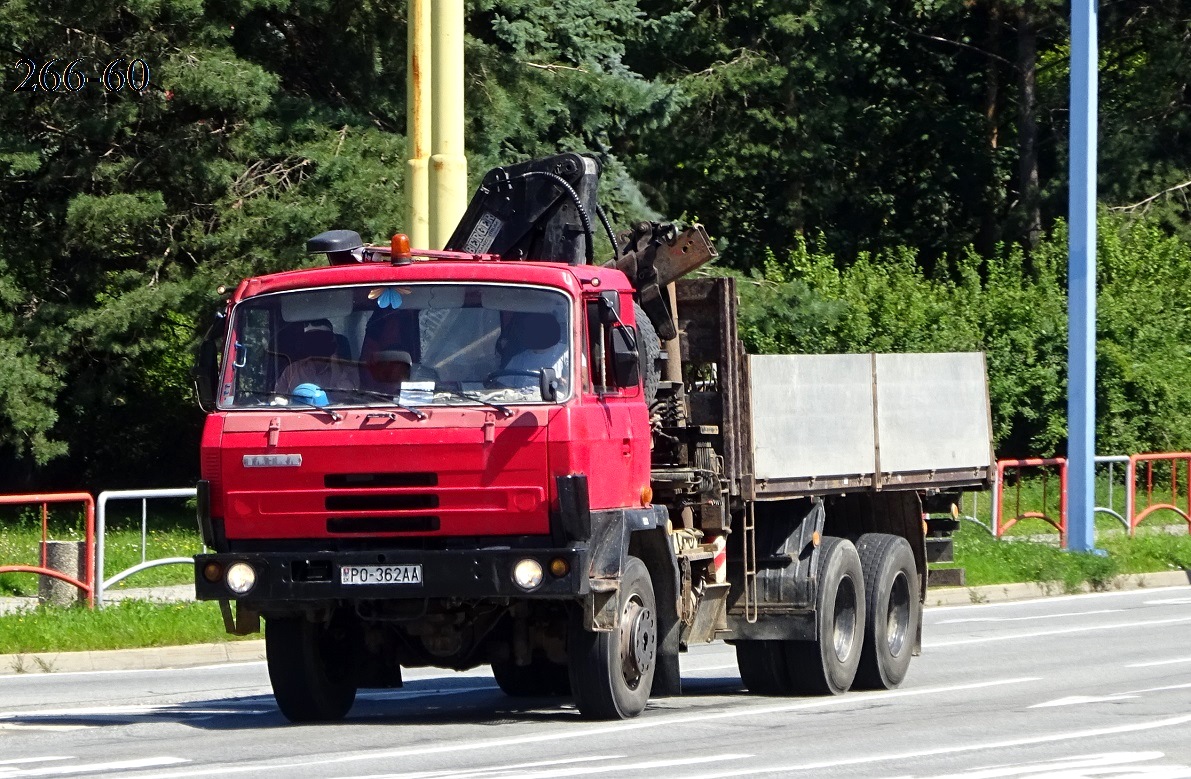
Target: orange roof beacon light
{"points": [[400, 251]]}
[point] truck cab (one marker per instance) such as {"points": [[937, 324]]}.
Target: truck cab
{"points": [[414, 452]]}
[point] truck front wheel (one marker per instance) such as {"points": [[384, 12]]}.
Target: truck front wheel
{"points": [[827, 666], [612, 673], [309, 667], [891, 598]]}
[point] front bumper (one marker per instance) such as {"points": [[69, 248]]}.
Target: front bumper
{"points": [[316, 576]]}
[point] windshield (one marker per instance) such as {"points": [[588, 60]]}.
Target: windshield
{"points": [[403, 344]]}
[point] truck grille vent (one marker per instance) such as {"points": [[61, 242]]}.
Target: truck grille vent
{"points": [[367, 480], [380, 502], [382, 524]]}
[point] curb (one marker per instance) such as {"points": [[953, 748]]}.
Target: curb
{"points": [[151, 658], [1004, 593], [159, 658]]}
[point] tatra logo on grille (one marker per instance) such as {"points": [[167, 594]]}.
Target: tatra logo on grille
{"points": [[272, 460]]}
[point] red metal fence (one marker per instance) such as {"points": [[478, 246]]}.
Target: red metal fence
{"points": [[1047, 465], [87, 582], [1140, 462]]}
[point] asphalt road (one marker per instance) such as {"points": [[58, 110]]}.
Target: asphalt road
{"points": [[1081, 686]]}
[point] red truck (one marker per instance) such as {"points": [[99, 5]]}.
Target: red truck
{"points": [[485, 456]]}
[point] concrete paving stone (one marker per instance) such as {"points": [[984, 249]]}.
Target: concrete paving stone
{"points": [[254, 650]]}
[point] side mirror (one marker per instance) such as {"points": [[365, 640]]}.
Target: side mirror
{"points": [[609, 307], [206, 368], [548, 385], [626, 360], [206, 373]]}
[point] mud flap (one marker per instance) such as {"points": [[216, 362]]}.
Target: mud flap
{"points": [[245, 622]]}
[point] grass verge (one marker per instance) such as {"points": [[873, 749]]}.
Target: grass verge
{"points": [[120, 625], [989, 561]]}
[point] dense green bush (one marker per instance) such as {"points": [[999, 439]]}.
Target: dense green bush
{"points": [[1013, 308]]}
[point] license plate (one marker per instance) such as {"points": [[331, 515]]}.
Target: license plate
{"points": [[381, 574]]}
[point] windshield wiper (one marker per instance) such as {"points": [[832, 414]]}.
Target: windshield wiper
{"points": [[335, 415], [417, 412], [505, 411]]}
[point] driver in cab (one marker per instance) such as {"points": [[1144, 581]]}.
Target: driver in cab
{"points": [[534, 341], [319, 363]]}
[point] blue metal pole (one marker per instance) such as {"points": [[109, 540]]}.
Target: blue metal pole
{"points": [[1081, 289]]}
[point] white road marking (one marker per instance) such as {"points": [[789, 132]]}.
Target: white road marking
{"points": [[954, 750], [1153, 663], [405, 695], [1060, 632], [705, 669], [963, 620], [18, 717], [494, 770], [601, 731], [48, 728], [1168, 601], [1164, 687], [1075, 700], [573, 770], [1082, 766], [1116, 696], [98, 768]]}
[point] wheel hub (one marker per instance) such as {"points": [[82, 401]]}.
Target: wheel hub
{"points": [[638, 642]]}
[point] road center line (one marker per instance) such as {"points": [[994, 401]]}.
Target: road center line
{"points": [[618, 768], [1040, 633], [99, 768], [962, 620], [896, 756], [492, 769], [1153, 663]]}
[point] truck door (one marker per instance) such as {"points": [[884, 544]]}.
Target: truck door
{"points": [[617, 425]]}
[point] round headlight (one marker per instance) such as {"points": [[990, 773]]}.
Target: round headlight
{"points": [[527, 574], [240, 577]]}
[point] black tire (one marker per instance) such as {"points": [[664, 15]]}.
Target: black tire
{"points": [[763, 667], [309, 669], [649, 349], [891, 611], [540, 679], [605, 684], [827, 666]]}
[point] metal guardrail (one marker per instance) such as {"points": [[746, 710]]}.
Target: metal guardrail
{"points": [[1110, 509], [101, 526], [87, 582]]}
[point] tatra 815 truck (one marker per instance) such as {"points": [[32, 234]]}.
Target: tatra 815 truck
{"points": [[504, 453]]}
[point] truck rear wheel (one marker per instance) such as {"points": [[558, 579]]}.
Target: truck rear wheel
{"points": [[892, 606], [540, 679], [612, 673], [827, 666], [309, 668], [763, 667]]}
